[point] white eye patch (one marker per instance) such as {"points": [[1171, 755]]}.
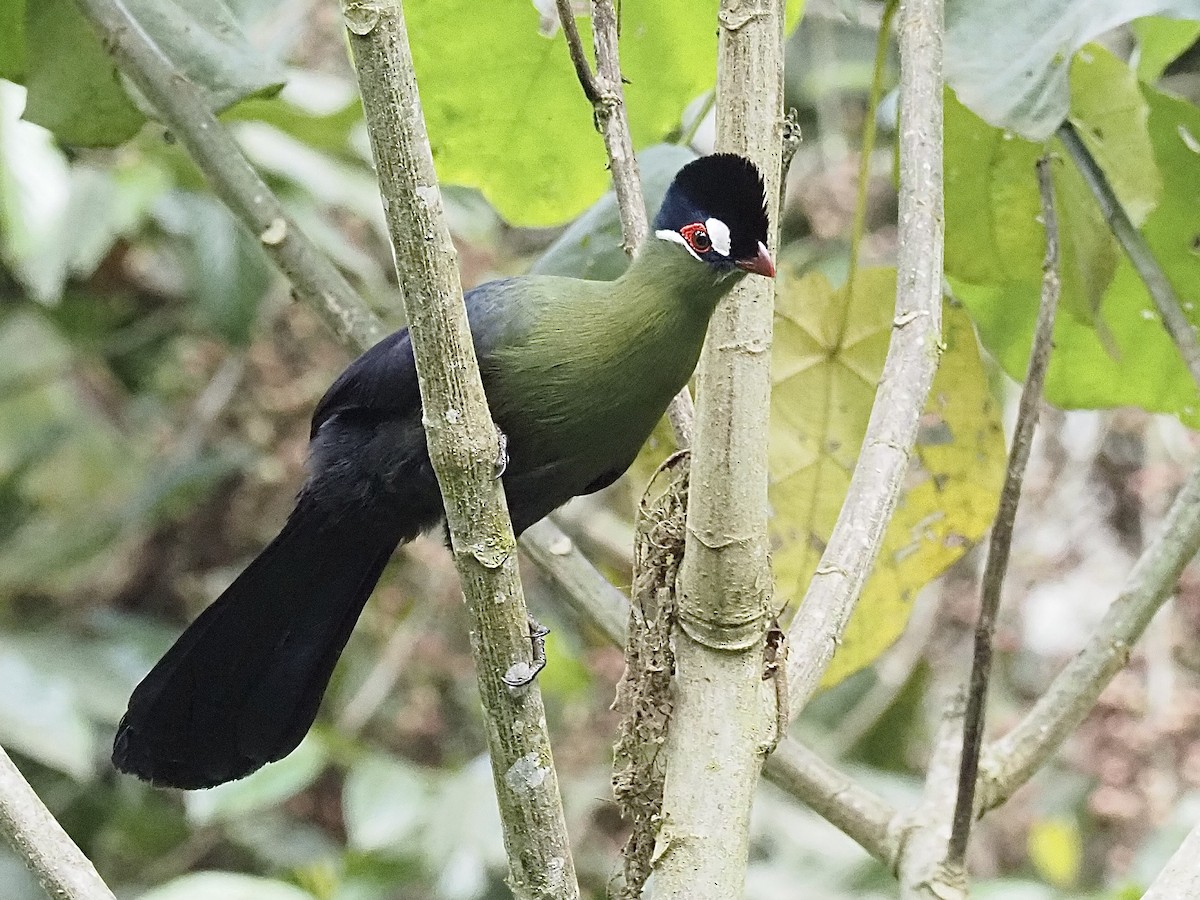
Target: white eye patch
{"points": [[718, 233], [666, 234]]}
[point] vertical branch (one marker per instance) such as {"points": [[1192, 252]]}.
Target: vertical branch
{"points": [[464, 450], [605, 92], [724, 716], [60, 866], [908, 371], [1002, 529]]}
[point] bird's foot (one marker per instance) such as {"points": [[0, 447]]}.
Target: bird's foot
{"points": [[521, 674], [502, 455]]}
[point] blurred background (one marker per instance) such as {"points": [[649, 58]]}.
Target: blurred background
{"points": [[156, 381]]}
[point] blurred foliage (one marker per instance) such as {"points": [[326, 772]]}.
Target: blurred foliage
{"points": [[155, 385]]}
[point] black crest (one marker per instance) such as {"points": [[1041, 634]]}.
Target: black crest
{"points": [[724, 186]]}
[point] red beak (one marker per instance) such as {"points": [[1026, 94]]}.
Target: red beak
{"points": [[759, 265]]}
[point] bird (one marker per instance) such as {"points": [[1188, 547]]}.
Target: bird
{"points": [[577, 373]]}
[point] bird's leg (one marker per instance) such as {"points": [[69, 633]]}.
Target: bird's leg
{"points": [[521, 675], [502, 455]]}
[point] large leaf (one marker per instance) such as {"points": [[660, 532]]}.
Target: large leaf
{"points": [[828, 354], [74, 89], [1113, 352], [1007, 59], [1160, 42], [512, 120]]}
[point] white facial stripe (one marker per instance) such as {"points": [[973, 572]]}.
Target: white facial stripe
{"points": [[667, 234], [718, 233]]}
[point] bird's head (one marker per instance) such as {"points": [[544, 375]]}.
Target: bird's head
{"points": [[716, 209]]}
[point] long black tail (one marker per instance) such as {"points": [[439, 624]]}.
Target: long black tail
{"points": [[241, 686]]}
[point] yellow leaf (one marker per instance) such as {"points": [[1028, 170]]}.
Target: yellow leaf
{"points": [[1056, 849], [828, 354]]}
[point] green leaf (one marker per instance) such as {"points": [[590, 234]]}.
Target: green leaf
{"points": [[73, 86], [1160, 42], [40, 715], [74, 89], [513, 121], [1131, 361], [827, 357], [268, 787], [12, 40], [226, 269], [1113, 120], [1007, 59], [225, 886], [382, 802]]}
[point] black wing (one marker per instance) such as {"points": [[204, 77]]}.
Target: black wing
{"points": [[383, 381]]}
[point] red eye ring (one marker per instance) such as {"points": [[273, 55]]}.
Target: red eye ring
{"points": [[697, 237]]}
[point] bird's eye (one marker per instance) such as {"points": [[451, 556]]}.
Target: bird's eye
{"points": [[697, 237]]}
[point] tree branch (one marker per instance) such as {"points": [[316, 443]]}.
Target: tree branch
{"points": [[1180, 878], [922, 868], [724, 711], [844, 803], [1012, 760], [1002, 529], [605, 92], [907, 373], [860, 813], [60, 866], [184, 109], [1152, 275], [464, 450]]}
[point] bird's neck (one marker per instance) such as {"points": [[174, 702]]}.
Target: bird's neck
{"points": [[664, 274]]}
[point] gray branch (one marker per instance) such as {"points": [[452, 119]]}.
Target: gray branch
{"points": [[464, 449], [184, 109], [1180, 878], [908, 371], [60, 866]]}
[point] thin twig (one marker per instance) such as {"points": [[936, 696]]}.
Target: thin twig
{"points": [[1012, 760], [1139, 253], [907, 373], [184, 109], [463, 448], [1000, 543], [60, 866], [583, 69]]}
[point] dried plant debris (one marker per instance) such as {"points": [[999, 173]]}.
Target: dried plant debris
{"points": [[644, 693]]}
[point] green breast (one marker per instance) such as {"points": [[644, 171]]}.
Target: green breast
{"points": [[600, 361]]}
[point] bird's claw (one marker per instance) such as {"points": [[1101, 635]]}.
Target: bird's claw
{"points": [[522, 674], [502, 454]]}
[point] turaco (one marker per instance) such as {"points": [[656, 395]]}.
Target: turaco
{"points": [[576, 372]]}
